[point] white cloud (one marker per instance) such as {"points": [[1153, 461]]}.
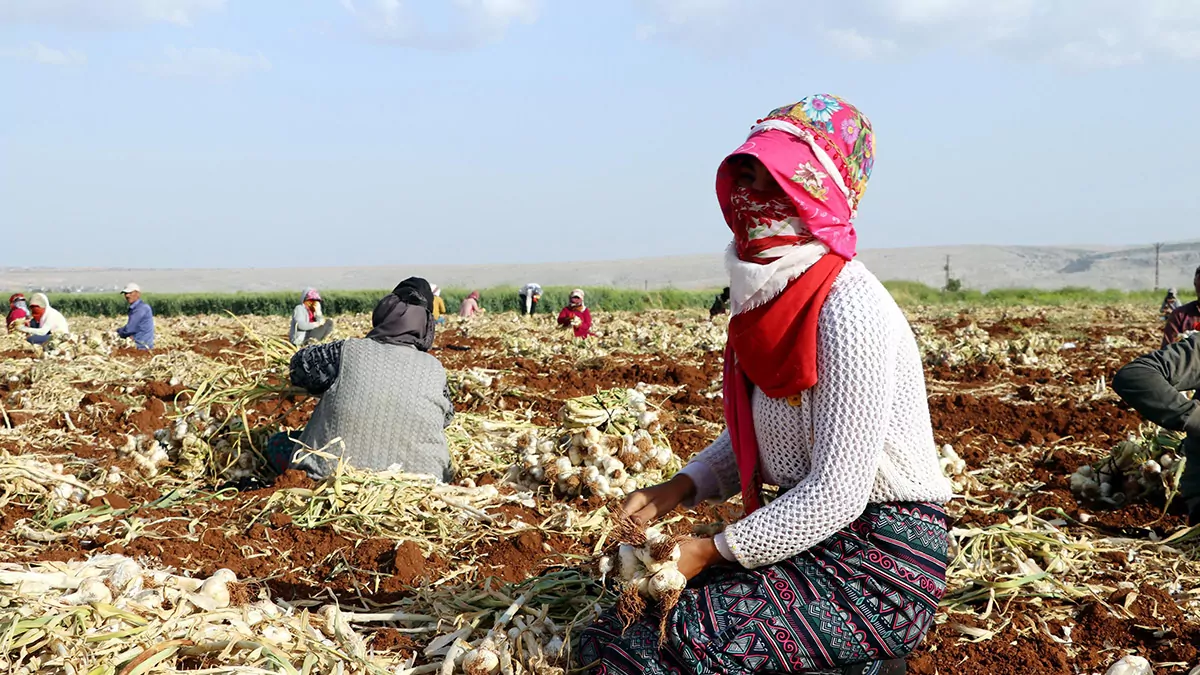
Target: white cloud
{"points": [[1076, 33], [106, 13], [470, 24], [207, 63], [36, 52], [857, 45]]}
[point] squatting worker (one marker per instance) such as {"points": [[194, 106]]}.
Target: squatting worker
{"points": [[140, 324], [1153, 385], [18, 312], [1185, 319], [825, 397], [44, 321], [309, 323], [576, 315], [384, 396]]}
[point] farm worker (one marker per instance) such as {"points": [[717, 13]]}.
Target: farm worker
{"points": [[439, 305], [47, 321], [530, 295], [384, 396], [18, 311], [1169, 304], [470, 306], [1185, 319], [1153, 385], [720, 304], [309, 324], [140, 325], [576, 315], [824, 397]]}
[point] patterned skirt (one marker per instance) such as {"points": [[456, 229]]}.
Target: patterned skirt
{"points": [[867, 594]]}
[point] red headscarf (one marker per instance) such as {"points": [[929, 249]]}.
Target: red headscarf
{"points": [[820, 152]]}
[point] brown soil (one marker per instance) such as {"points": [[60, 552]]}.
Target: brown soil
{"points": [[274, 555], [1019, 422]]}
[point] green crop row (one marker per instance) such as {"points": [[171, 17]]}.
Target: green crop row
{"points": [[602, 299], [349, 302]]}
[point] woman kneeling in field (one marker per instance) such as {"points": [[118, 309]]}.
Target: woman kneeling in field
{"points": [[824, 397], [383, 396]]}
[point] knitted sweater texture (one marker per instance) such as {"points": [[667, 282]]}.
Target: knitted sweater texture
{"points": [[861, 435], [388, 405]]}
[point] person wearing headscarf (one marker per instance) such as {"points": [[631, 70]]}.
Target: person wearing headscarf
{"points": [[309, 323], [1169, 304], [439, 305], [529, 296], [824, 396], [384, 396], [1185, 319], [576, 315], [470, 306], [18, 311], [46, 321]]}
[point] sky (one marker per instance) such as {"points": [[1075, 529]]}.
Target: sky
{"points": [[271, 133]]}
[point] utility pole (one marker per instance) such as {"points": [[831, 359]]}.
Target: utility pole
{"points": [[947, 270], [1157, 251]]}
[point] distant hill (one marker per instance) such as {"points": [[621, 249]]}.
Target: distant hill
{"points": [[979, 267]]}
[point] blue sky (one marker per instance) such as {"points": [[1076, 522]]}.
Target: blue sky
{"points": [[263, 133]]}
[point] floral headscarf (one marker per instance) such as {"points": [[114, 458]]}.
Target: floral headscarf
{"points": [[821, 151]]}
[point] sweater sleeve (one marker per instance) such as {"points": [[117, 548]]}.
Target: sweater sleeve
{"points": [[1152, 385], [564, 317], [316, 368], [714, 471], [856, 355]]}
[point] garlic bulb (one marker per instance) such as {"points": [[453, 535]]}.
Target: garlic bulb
{"points": [[1131, 665]]}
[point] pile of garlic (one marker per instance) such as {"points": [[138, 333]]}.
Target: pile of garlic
{"points": [[27, 475], [118, 581], [199, 444], [1147, 470], [582, 460], [70, 346], [471, 384], [645, 565], [165, 606]]}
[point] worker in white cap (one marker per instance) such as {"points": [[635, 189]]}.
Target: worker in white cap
{"points": [[140, 326]]}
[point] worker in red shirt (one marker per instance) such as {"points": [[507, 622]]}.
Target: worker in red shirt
{"points": [[576, 314], [1185, 319]]}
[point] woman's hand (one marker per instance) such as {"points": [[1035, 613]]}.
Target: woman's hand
{"points": [[648, 504], [697, 555]]}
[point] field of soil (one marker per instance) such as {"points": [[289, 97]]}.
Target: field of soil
{"points": [[1040, 583]]}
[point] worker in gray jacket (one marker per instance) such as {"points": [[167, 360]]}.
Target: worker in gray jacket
{"points": [[309, 323], [1154, 385], [383, 396]]}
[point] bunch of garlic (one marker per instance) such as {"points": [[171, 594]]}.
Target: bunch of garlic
{"points": [[472, 383], [194, 442], [587, 462], [1147, 470], [148, 455], [646, 567]]}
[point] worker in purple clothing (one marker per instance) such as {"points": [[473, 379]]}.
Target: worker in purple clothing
{"points": [[140, 325]]}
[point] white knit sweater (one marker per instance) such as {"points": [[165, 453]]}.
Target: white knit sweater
{"points": [[861, 435]]}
